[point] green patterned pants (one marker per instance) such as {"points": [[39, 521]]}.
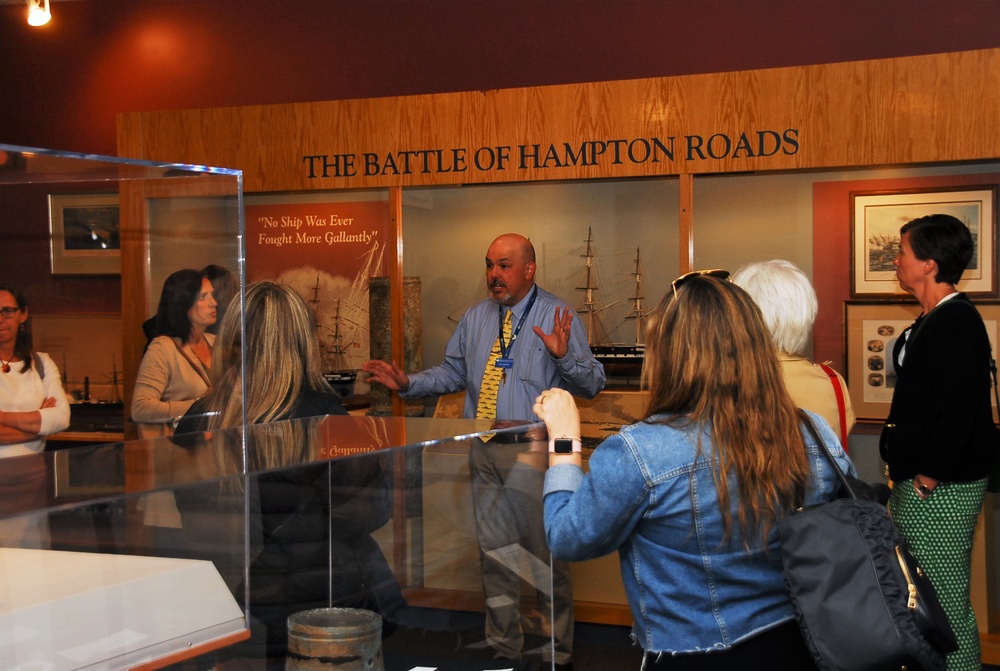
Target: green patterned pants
{"points": [[939, 532]]}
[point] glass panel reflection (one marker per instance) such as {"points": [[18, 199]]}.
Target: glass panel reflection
{"points": [[360, 512]]}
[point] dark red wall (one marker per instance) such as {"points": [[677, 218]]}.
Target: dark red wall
{"points": [[832, 209], [26, 262], [61, 86]]}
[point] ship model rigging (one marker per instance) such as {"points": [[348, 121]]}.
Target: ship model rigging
{"points": [[620, 359]]}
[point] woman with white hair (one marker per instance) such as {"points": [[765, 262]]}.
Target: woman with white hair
{"points": [[788, 302]]}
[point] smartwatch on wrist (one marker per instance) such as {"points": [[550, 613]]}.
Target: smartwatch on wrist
{"points": [[565, 445]]}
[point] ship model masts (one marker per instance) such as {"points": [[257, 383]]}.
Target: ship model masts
{"points": [[589, 307], [637, 313], [619, 360]]}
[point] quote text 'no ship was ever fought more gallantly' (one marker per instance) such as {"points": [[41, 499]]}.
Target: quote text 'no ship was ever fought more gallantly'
{"points": [[311, 229]]}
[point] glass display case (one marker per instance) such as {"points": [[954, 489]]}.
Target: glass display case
{"points": [[89, 241], [192, 550], [360, 512]]}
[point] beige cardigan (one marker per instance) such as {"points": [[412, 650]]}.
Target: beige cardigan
{"points": [[812, 389], [168, 382]]}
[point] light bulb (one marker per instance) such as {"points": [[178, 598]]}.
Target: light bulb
{"points": [[38, 12]]}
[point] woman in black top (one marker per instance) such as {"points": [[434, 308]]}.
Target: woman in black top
{"points": [[939, 437]]}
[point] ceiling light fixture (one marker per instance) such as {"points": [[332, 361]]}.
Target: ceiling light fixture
{"points": [[38, 12]]}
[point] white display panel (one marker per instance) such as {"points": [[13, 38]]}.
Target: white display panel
{"points": [[62, 611]]}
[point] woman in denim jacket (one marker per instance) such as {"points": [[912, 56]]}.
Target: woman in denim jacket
{"points": [[689, 496]]}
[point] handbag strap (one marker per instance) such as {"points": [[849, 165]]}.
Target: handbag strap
{"points": [[838, 391], [826, 451], [198, 366], [993, 372]]}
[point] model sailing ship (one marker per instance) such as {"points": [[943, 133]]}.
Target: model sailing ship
{"points": [[620, 359]]}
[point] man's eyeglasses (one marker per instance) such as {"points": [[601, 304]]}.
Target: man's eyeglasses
{"points": [[717, 273], [9, 312]]}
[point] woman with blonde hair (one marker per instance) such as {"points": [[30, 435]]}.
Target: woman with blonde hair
{"points": [[280, 362], [313, 519], [690, 495]]}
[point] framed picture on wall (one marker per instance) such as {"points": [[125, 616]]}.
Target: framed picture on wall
{"points": [[85, 234], [871, 329], [878, 216]]}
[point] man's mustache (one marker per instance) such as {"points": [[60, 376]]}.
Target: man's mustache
{"points": [[497, 283]]}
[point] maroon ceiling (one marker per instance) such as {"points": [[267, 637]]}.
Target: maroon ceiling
{"points": [[62, 85]]}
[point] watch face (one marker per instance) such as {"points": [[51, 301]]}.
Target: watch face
{"points": [[563, 446]]}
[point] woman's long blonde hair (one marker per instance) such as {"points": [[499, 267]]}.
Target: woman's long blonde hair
{"points": [[282, 357], [710, 362]]}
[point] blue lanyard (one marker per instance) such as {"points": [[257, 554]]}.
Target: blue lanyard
{"points": [[506, 348]]}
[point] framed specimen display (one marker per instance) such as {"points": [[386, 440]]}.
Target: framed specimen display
{"points": [[871, 330]]}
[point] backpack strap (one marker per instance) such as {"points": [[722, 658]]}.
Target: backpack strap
{"points": [[841, 401]]}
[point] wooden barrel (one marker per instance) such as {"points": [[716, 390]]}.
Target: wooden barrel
{"points": [[335, 639]]}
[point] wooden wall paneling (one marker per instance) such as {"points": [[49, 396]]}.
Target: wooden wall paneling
{"points": [[832, 249], [135, 288], [921, 109], [396, 288], [400, 546], [134, 252], [686, 234], [135, 197], [930, 109]]}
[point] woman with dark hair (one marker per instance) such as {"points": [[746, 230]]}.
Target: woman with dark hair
{"points": [[939, 437], [690, 495], [32, 401], [172, 375], [225, 286], [32, 405], [174, 369]]}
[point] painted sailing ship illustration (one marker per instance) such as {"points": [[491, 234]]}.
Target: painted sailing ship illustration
{"points": [[343, 323], [882, 251], [337, 369], [620, 359]]}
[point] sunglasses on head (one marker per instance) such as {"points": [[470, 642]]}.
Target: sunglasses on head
{"points": [[717, 273]]}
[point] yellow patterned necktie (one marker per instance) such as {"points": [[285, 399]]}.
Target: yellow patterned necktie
{"points": [[492, 376]]}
